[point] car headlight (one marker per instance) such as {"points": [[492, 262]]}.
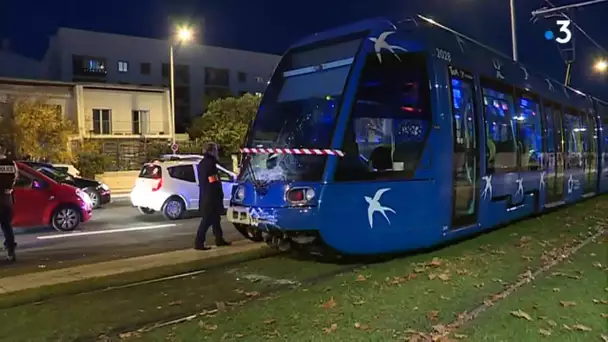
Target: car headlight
{"points": [[239, 195]]}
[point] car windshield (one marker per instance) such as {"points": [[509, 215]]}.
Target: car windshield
{"points": [[54, 174], [299, 110]]}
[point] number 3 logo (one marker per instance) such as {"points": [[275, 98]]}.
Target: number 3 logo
{"points": [[564, 27]]}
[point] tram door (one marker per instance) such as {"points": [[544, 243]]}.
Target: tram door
{"points": [[466, 153], [554, 154], [590, 160]]}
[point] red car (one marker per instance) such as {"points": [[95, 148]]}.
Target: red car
{"points": [[41, 201]]}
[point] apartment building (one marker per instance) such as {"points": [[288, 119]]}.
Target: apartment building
{"points": [[202, 73], [122, 117]]}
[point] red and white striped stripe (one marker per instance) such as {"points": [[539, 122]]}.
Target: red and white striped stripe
{"points": [[305, 151]]}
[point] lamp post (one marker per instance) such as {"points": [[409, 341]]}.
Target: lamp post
{"points": [[513, 31], [184, 34]]}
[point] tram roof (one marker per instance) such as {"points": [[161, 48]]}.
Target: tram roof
{"points": [[466, 53]]}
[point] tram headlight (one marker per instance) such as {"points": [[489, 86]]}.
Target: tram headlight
{"points": [[310, 194], [300, 196], [239, 194]]}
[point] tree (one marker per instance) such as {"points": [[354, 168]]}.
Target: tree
{"points": [[90, 159], [226, 122], [37, 129]]}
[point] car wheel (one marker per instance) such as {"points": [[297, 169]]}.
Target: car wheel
{"points": [[145, 211], [95, 198], [174, 208], [249, 233], [66, 218]]}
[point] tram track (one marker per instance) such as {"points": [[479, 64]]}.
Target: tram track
{"points": [[228, 264], [119, 333]]}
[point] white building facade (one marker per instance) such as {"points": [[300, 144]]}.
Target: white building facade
{"points": [[202, 73]]}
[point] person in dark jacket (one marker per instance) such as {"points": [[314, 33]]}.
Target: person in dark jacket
{"points": [[211, 198], [8, 176]]}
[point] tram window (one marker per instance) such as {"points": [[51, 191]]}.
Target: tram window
{"points": [[389, 121], [501, 147], [529, 133], [573, 137]]}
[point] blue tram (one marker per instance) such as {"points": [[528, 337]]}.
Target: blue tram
{"points": [[377, 138]]}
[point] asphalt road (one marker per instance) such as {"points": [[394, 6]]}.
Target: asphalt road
{"points": [[115, 231]]}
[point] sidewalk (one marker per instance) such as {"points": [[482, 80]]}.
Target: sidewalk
{"points": [[114, 267]]}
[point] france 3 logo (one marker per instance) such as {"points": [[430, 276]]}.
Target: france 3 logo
{"points": [[564, 30]]}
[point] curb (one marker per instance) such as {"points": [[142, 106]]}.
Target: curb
{"points": [[116, 267]]}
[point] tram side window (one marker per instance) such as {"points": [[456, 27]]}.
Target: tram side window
{"points": [[603, 112], [529, 134], [501, 148], [549, 136], [573, 137], [390, 119]]}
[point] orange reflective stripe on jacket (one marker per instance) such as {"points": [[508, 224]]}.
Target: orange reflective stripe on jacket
{"points": [[212, 179]]}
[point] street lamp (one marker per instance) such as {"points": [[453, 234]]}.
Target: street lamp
{"points": [[601, 66], [513, 32], [183, 35]]}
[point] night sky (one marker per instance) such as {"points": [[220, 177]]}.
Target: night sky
{"points": [[272, 25]]}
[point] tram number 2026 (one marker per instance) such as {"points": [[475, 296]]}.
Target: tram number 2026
{"points": [[445, 55]]}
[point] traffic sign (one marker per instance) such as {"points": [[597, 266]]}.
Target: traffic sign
{"points": [[174, 147]]}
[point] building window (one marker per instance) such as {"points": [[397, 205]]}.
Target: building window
{"points": [[88, 66], [164, 70], [573, 137], [501, 147], [242, 77], [123, 66], [144, 68], [102, 121], [389, 123], [529, 134], [140, 121], [259, 79], [212, 94], [182, 73], [217, 77]]}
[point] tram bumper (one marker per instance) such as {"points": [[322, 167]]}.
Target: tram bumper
{"points": [[284, 219]]}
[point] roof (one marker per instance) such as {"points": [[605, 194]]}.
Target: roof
{"points": [[33, 82]]}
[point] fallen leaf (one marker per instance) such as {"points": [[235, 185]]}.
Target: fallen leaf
{"points": [[566, 303], [444, 276], [436, 262], [361, 326], [432, 276], [604, 337], [210, 327], [488, 302], [521, 314], [581, 327], [544, 332], [460, 336], [361, 277], [330, 304], [178, 302], [439, 328], [331, 329], [600, 301], [480, 285], [269, 321], [567, 327], [433, 315], [552, 323], [221, 306], [598, 265], [360, 302], [603, 315], [556, 289]]}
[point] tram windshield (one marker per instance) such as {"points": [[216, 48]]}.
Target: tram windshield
{"points": [[299, 110]]}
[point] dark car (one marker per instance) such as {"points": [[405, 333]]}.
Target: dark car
{"points": [[99, 192]]}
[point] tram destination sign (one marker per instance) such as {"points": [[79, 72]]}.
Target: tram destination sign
{"points": [[457, 72]]}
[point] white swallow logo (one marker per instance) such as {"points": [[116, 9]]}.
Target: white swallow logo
{"points": [[570, 184], [526, 74], [542, 181], [375, 206], [380, 44], [550, 84], [487, 191], [520, 187], [498, 68]]}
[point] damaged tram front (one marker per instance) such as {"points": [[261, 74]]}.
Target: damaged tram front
{"points": [[344, 119]]}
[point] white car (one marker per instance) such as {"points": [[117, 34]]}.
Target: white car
{"points": [[67, 168], [171, 187]]}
